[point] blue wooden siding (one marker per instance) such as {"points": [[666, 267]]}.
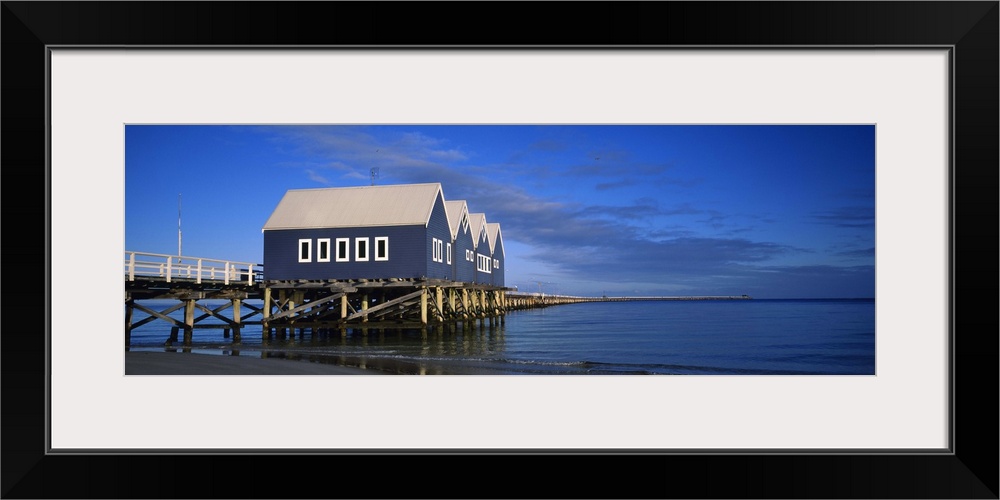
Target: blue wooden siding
{"points": [[406, 254], [498, 256], [437, 228], [482, 278], [464, 270]]}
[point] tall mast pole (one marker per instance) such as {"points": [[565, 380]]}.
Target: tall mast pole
{"points": [[178, 224]]}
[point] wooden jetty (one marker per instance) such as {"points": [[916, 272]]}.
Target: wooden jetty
{"points": [[517, 300], [311, 306], [382, 303], [291, 306], [188, 280]]}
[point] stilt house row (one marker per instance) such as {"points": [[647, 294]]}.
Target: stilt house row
{"points": [[405, 231]]}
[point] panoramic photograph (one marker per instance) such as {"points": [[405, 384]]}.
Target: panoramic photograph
{"points": [[499, 249]]}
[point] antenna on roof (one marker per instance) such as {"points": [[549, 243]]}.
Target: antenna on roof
{"points": [[374, 174]]}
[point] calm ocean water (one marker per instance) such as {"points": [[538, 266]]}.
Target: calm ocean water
{"points": [[704, 337]]}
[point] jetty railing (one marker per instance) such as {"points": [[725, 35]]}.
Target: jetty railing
{"points": [[196, 269]]}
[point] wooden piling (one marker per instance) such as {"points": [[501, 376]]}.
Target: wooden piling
{"points": [[236, 319], [266, 315], [364, 308], [439, 302], [423, 306], [188, 321], [129, 307]]}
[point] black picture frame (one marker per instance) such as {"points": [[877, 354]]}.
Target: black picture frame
{"points": [[969, 28]]}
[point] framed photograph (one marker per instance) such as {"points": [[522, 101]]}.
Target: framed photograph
{"points": [[917, 81]]}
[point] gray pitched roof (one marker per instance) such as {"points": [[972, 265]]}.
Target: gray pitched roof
{"points": [[476, 223], [389, 205], [493, 235], [455, 210]]}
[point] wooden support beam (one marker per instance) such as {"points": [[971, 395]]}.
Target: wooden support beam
{"points": [[267, 303], [237, 338], [128, 319], [384, 305], [189, 306], [438, 301], [154, 314], [397, 308], [303, 307], [423, 306], [213, 312], [265, 330], [364, 308]]}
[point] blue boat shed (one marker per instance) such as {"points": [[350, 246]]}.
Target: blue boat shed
{"points": [[403, 231], [367, 232]]}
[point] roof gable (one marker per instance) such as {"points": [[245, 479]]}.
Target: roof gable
{"points": [[389, 205], [493, 233], [477, 223], [458, 212]]}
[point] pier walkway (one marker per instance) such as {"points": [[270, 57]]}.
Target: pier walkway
{"points": [[517, 300], [316, 305]]}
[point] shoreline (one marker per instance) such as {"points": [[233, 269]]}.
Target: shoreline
{"points": [[187, 363], [258, 362]]}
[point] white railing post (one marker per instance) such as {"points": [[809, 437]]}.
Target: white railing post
{"points": [[201, 269]]}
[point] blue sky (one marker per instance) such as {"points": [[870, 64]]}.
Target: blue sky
{"points": [[771, 211]]}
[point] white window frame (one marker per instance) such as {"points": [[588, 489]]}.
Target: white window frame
{"points": [[496, 264], [298, 250], [436, 253], [319, 250], [448, 246], [347, 250], [483, 263], [384, 239], [357, 249]]}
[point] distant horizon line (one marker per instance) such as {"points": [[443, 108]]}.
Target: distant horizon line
{"points": [[667, 297]]}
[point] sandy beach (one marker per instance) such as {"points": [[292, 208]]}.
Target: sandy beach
{"points": [[181, 363]]}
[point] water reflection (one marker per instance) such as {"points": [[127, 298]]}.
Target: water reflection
{"points": [[425, 351]]}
